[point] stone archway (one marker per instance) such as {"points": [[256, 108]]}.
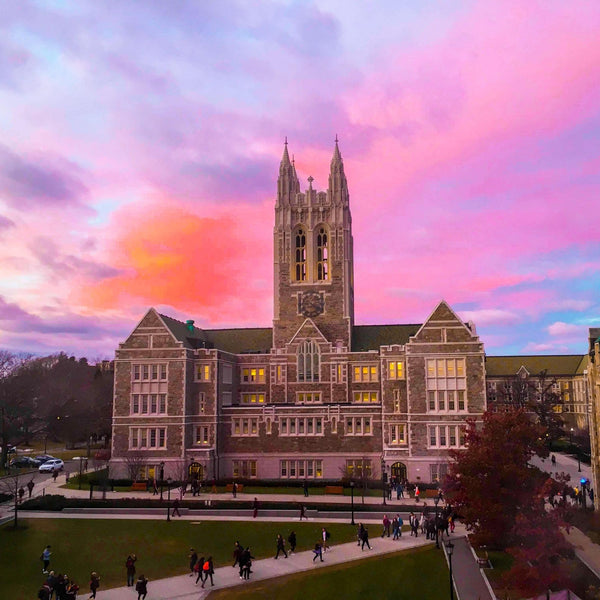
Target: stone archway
{"points": [[399, 471]]}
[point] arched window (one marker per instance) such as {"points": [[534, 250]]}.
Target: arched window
{"points": [[300, 255], [322, 255], [308, 361]]}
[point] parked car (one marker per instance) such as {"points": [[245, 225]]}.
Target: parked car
{"points": [[44, 457], [55, 464], [24, 462]]}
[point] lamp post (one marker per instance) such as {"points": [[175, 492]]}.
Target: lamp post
{"points": [[449, 550], [162, 478], [80, 470], [436, 501], [352, 500], [169, 499], [383, 479], [571, 439]]}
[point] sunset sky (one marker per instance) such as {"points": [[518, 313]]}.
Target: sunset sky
{"points": [[140, 144]]}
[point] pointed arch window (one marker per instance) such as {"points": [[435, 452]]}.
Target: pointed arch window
{"points": [[300, 255], [322, 255], [309, 361]]}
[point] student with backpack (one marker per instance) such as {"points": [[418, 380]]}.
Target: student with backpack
{"points": [[326, 537], [208, 569], [198, 569]]}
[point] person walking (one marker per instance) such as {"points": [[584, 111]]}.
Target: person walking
{"points": [[30, 485], [255, 508], [415, 526], [395, 528], [238, 551], [417, 493], [234, 489], [193, 556], [386, 526], [303, 512], [365, 539], [154, 487], [209, 570], [130, 566], [176, 508], [326, 536], [318, 552], [198, 569], [292, 542], [141, 587], [280, 546], [246, 564], [94, 584], [305, 488], [359, 533], [46, 558]]}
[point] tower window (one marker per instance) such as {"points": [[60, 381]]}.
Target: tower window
{"points": [[308, 361], [322, 255], [300, 255]]}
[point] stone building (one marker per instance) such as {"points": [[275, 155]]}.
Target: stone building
{"points": [[314, 397], [593, 378], [565, 375]]}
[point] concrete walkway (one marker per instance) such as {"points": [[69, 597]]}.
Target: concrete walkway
{"points": [[183, 586], [468, 580], [587, 551]]}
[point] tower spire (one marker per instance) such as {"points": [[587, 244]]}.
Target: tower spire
{"points": [[287, 183], [338, 186]]}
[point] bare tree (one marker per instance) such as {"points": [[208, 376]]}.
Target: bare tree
{"points": [[135, 461], [360, 472], [539, 396], [11, 485]]}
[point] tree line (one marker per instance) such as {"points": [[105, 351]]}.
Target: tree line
{"points": [[54, 398]]}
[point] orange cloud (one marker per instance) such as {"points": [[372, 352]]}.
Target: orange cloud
{"points": [[171, 256]]}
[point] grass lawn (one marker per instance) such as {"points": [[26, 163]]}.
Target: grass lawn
{"points": [[406, 575], [80, 546]]}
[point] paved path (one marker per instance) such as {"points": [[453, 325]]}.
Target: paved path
{"points": [[468, 580], [184, 586], [565, 463], [586, 550]]}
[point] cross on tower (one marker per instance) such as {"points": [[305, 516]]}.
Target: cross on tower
{"points": [[310, 180]]}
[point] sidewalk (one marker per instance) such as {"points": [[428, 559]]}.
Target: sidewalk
{"points": [[183, 586], [587, 552], [469, 582]]}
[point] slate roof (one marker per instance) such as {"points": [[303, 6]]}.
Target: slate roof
{"points": [[260, 339], [564, 364], [371, 337]]}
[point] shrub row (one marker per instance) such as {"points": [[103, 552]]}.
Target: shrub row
{"points": [[58, 503]]}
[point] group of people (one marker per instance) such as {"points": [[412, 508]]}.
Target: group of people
{"points": [[202, 567], [432, 524], [242, 557], [60, 585]]}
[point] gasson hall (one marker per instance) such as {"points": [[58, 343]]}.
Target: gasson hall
{"points": [[313, 397]]}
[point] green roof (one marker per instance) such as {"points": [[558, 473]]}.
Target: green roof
{"points": [[561, 364], [260, 339], [241, 341], [371, 337]]}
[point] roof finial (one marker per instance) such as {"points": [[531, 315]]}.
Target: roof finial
{"points": [[336, 138], [293, 160], [286, 140], [310, 180]]}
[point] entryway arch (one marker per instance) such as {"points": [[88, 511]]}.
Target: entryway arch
{"points": [[399, 471]]}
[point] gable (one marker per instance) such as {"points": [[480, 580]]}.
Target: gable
{"points": [[308, 330], [442, 326]]}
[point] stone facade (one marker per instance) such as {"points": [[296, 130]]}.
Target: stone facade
{"points": [[316, 396]]}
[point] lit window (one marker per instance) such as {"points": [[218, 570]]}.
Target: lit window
{"points": [[322, 255], [365, 397], [396, 369], [203, 372], [300, 255]]}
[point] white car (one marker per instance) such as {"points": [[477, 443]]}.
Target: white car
{"points": [[56, 464]]}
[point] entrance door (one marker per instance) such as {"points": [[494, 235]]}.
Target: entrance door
{"points": [[399, 471]]}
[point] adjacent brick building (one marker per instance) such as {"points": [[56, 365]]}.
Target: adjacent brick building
{"points": [[313, 397]]}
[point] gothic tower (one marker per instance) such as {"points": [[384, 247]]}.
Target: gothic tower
{"points": [[314, 271]]}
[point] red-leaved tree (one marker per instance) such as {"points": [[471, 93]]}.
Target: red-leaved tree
{"points": [[491, 481]]}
